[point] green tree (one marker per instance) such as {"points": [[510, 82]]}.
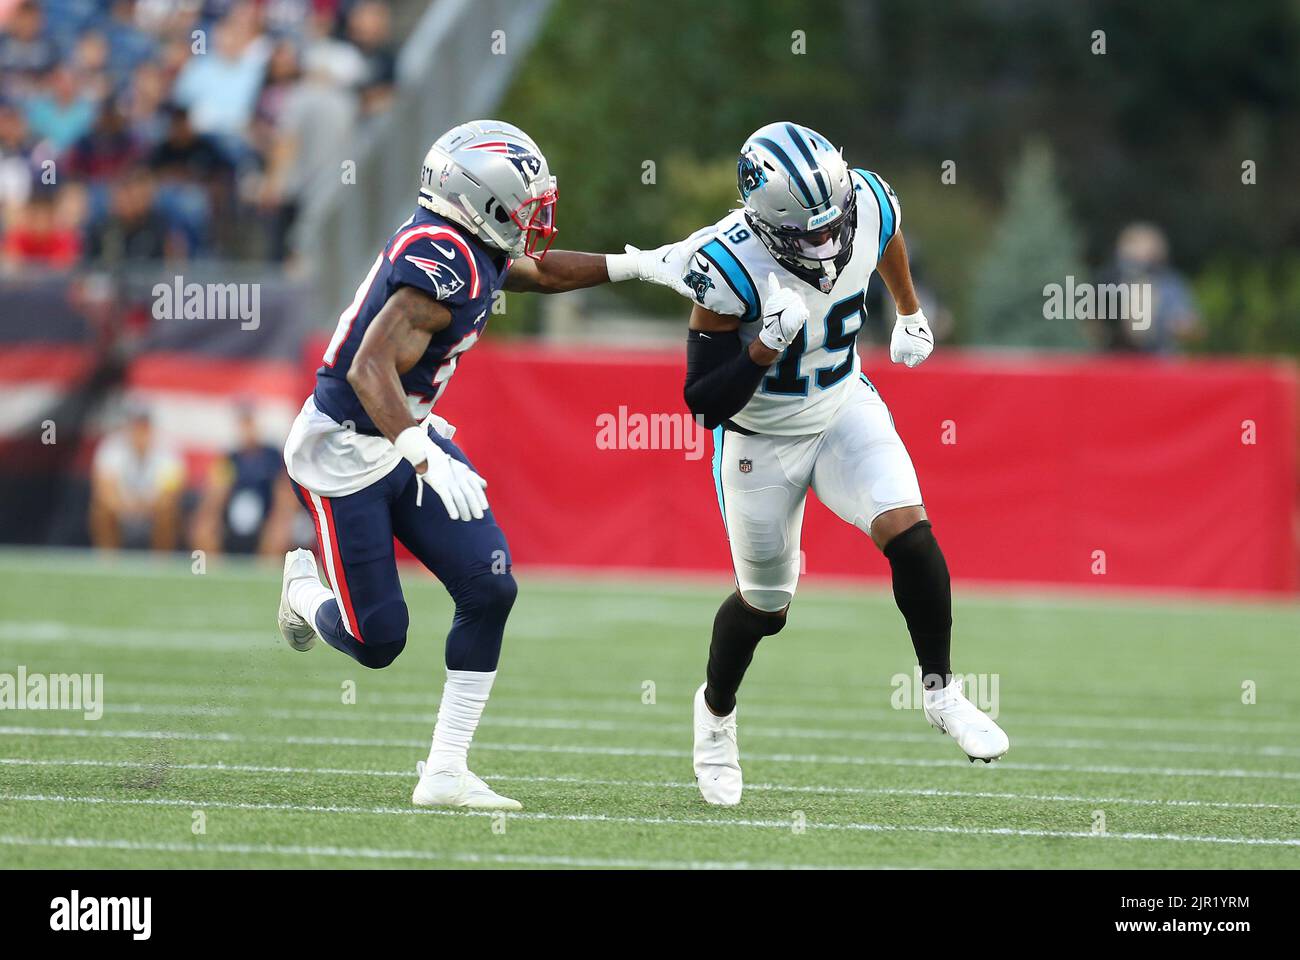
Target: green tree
{"points": [[1034, 244]]}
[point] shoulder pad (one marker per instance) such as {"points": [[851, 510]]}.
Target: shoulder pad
{"points": [[884, 203], [721, 283], [436, 260]]}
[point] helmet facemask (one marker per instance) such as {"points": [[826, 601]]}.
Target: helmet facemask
{"points": [[536, 219], [818, 249]]}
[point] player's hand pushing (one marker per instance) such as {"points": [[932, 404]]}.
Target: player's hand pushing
{"points": [[784, 314]]}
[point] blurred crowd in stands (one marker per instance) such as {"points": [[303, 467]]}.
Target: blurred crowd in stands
{"points": [[140, 497], [175, 129]]}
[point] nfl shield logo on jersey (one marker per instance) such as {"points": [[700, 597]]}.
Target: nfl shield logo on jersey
{"points": [[746, 466]]}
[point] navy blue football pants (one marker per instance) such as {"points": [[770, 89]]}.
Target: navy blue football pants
{"points": [[367, 619]]}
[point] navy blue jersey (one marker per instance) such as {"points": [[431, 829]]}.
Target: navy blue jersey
{"points": [[433, 255], [252, 473]]}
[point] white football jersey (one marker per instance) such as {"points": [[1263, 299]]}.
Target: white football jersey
{"points": [[806, 386]]}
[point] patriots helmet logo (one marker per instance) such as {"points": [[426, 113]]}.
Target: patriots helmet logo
{"points": [[446, 281], [699, 283], [525, 161]]}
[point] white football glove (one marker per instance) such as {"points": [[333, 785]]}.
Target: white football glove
{"points": [[912, 340], [458, 487], [784, 314], [665, 266]]}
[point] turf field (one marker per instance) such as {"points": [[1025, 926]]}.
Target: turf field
{"points": [[1123, 709]]}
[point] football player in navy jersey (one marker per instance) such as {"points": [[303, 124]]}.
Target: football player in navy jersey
{"points": [[367, 442]]}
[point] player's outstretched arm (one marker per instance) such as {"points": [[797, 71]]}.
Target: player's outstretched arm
{"points": [[557, 272], [563, 270], [911, 341]]}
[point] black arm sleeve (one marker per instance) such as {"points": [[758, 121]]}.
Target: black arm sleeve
{"points": [[720, 375]]}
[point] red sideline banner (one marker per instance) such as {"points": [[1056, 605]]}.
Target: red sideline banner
{"points": [[1081, 471]]}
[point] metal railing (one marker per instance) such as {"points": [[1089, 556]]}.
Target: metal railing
{"points": [[448, 72]]}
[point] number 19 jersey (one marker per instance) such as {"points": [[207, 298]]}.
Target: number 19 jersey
{"points": [[806, 386]]}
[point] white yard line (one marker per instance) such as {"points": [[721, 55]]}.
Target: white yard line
{"points": [[605, 751], [660, 784], [200, 804], [669, 725], [374, 853], [679, 707]]}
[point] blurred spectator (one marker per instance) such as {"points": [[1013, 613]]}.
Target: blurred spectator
{"points": [[133, 229], [60, 111], [107, 151], [26, 53], [143, 100], [128, 46], [1168, 319], [41, 234], [282, 75], [16, 171], [370, 29], [185, 154], [248, 505], [314, 131], [135, 489], [90, 66], [220, 87]]}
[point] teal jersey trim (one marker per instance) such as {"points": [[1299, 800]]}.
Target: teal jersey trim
{"points": [[718, 434], [736, 276], [887, 224]]}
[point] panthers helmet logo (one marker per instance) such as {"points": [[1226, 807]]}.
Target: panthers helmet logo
{"points": [[749, 175], [699, 283]]}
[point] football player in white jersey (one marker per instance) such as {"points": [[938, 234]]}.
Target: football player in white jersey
{"points": [[773, 370]]}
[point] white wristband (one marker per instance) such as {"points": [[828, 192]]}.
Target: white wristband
{"points": [[621, 266], [918, 317], [412, 443]]}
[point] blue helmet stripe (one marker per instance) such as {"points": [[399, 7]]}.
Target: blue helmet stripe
{"points": [[793, 133], [735, 275], [789, 166], [887, 225]]}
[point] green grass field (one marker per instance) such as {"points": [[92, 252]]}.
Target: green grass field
{"points": [[1121, 708]]}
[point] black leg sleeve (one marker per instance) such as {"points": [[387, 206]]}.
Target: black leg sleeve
{"points": [[923, 591], [736, 631]]}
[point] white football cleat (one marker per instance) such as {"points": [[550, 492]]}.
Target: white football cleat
{"points": [[950, 712], [297, 632], [445, 788], [717, 756]]}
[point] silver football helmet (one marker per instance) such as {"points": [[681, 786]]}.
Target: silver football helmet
{"points": [[490, 177], [798, 196]]}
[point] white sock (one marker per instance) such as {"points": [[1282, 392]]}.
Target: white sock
{"points": [[464, 696], [306, 595]]}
